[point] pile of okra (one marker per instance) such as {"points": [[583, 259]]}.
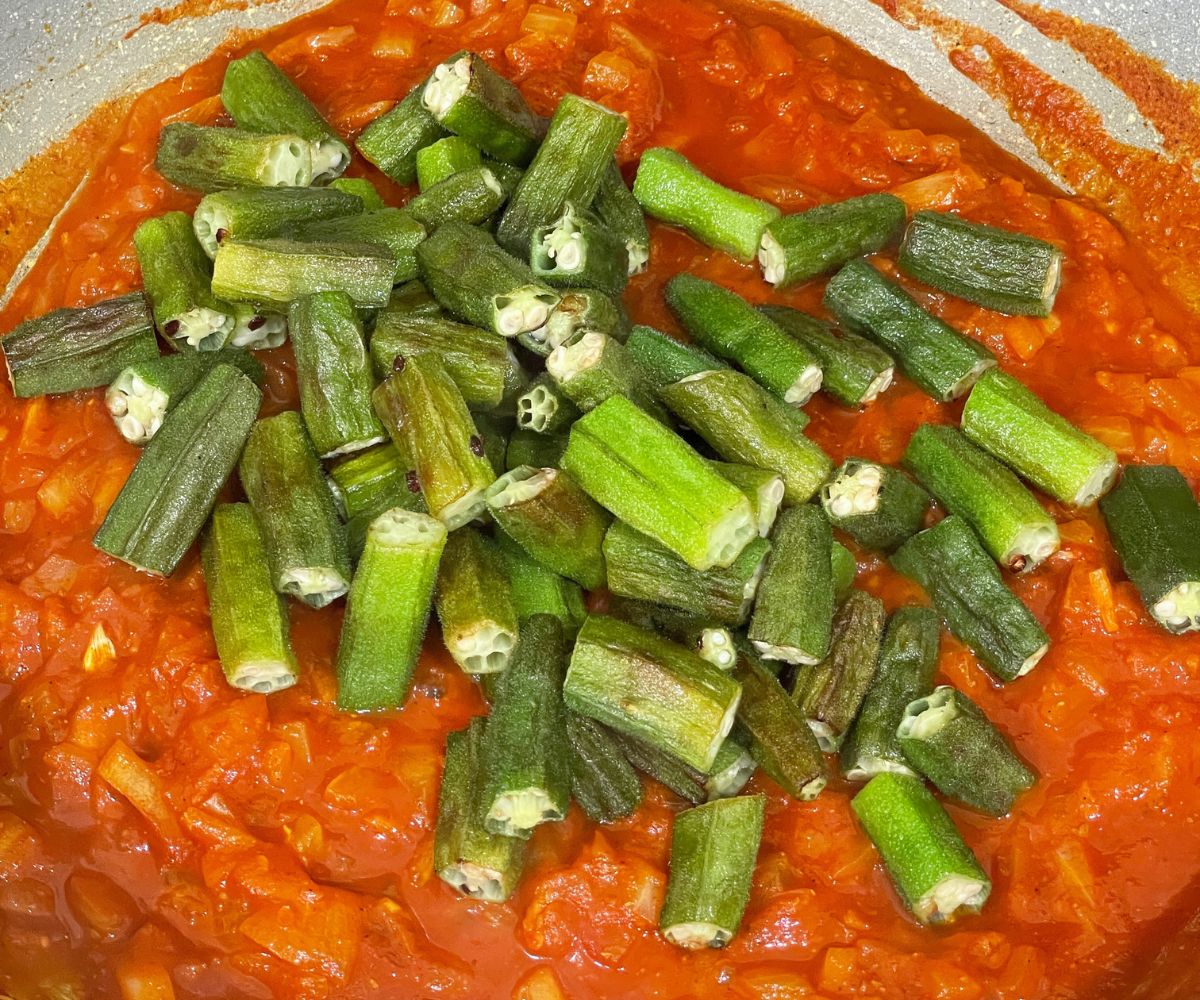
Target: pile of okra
{"points": [[483, 436]]}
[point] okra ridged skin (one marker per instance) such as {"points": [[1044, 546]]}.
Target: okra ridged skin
{"points": [[844, 571], [579, 311], [661, 360], [967, 481], [713, 851], [744, 423], [306, 541], [793, 612], [537, 590], [554, 520], [428, 420], [1008, 420], [445, 158], [576, 250], [965, 587], [168, 496], [474, 604], [207, 158], [646, 687], [360, 188], [997, 268], [526, 779], [333, 373], [762, 487], [542, 451], [391, 141], [70, 349], [732, 328], [603, 781], [946, 737], [641, 568], [650, 478], [939, 359], [263, 213], [933, 870], [411, 299], [476, 863], [391, 228], [907, 664], [472, 196], [798, 247], [876, 505], [831, 692], [854, 370], [619, 210], [595, 367], [249, 619], [1154, 522], [670, 188], [669, 771], [387, 610], [544, 408]]}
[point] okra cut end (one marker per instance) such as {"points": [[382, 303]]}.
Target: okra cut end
{"points": [[288, 163], [968, 380], [731, 535], [1098, 483], [316, 586], [476, 881], [257, 331], [1179, 609], [516, 813], [772, 259], [695, 935], [784, 654], [855, 490], [525, 309], [808, 382], [401, 529], [264, 676], [927, 716], [201, 328], [537, 408], [519, 486], [447, 85], [137, 408], [486, 649], [717, 647]]}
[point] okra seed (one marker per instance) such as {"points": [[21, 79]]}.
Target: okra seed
{"points": [[477, 446], [414, 484], [171, 328], [399, 363]]}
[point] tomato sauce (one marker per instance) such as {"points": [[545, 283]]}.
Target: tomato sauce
{"points": [[162, 834]]}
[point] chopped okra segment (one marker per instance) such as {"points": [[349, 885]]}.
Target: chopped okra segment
{"points": [[392, 141], [619, 210], [445, 158], [579, 311], [603, 782], [576, 250], [876, 505], [261, 213], [545, 408], [471, 196], [206, 158], [594, 367], [537, 590], [762, 487], [662, 360]]}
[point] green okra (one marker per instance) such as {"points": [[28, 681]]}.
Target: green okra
{"points": [[360, 188], [542, 451], [556, 522], [793, 612], [256, 329], [70, 349], [619, 210], [445, 158], [261, 213], [213, 159], [731, 771], [537, 590], [544, 408], [876, 505], [176, 277], [654, 481], [845, 569], [670, 188], [729, 326], [939, 359], [470, 196], [965, 587], [662, 360], [392, 229], [798, 247], [593, 368], [967, 481], [576, 250], [667, 770], [474, 604], [742, 422], [712, 641], [387, 610], [907, 664], [762, 487], [603, 782], [412, 299], [249, 619], [391, 142], [168, 496], [579, 311], [713, 850], [369, 483], [1006, 419]]}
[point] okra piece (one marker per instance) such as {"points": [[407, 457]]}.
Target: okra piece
{"points": [[427, 418], [544, 408], [445, 158], [619, 210], [667, 770], [876, 505], [369, 483], [477, 281], [939, 359], [471, 196], [206, 158], [474, 604], [387, 610], [996, 268], [641, 568], [603, 781], [551, 518], [1006, 419], [776, 732], [967, 481], [1154, 522], [537, 590], [542, 451], [360, 188], [965, 587], [831, 692], [567, 170], [575, 250], [845, 569], [390, 228], [731, 328], [476, 863], [273, 273], [176, 277], [731, 771], [260, 97], [306, 542], [168, 496], [713, 850], [798, 247], [933, 870], [467, 97], [712, 641], [261, 213], [593, 368], [480, 362], [646, 687], [855, 371], [255, 329], [526, 778], [744, 423], [249, 619], [70, 349], [333, 374], [579, 311], [762, 487], [662, 360], [907, 663], [391, 141], [793, 613], [412, 299], [670, 188], [650, 478]]}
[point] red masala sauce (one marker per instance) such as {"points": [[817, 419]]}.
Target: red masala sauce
{"points": [[265, 847]]}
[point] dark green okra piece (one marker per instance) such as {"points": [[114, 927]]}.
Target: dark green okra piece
{"points": [[876, 505], [594, 367], [445, 158], [474, 604], [206, 158], [966, 589], [662, 360], [619, 210], [667, 770], [579, 311], [391, 141], [762, 487], [576, 250], [390, 228], [471, 196], [603, 782], [360, 188], [544, 408], [262, 213], [537, 590], [168, 496], [70, 349], [369, 483], [844, 571], [542, 451]]}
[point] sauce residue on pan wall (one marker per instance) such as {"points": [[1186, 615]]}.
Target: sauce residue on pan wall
{"points": [[281, 847]]}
